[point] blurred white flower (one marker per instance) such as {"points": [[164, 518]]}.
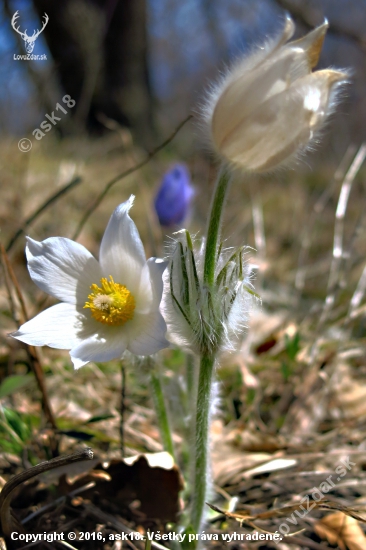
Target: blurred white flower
{"points": [[106, 307], [270, 105]]}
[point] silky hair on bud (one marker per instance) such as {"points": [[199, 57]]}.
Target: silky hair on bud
{"points": [[270, 107]]}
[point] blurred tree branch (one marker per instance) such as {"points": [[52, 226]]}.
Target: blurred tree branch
{"points": [[50, 200], [124, 174]]}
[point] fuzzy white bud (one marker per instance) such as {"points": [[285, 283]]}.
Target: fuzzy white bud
{"points": [[199, 318], [271, 105]]}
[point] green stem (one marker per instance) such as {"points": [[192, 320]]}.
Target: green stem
{"points": [[207, 360], [201, 440], [123, 409], [161, 413], [213, 231], [190, 376]]}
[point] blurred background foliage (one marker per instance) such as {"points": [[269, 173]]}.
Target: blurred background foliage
{"points": [[146, 63]]}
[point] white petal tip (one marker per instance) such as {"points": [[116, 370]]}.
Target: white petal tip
{"points": [[32, 246], [130, 201], [289, 28], [78, 363], [125, 207], [159, 263], [288, 19]]}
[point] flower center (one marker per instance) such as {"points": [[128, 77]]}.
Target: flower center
{"points": [[110, 303]]}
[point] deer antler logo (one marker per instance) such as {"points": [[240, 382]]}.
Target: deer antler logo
{"points": [[29, 40]]}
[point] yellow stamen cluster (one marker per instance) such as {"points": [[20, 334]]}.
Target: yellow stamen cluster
{"points": [[111, 303]]}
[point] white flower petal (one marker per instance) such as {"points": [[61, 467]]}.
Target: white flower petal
{"points": [[246, 91], [121, 252], [151, 285], [144, 296], [78, 363], [312, 43], [146, 334], [156, 269], [109, 344], [265, 52], [287, 33], [62, 268], [60, 326], [293, 116]]}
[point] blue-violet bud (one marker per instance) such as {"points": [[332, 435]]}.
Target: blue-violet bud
{"points": [[172, 201]]}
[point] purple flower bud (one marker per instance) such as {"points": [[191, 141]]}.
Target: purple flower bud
{"points": [[173, 198]]}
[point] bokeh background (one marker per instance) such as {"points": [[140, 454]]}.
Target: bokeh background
{"points": [[147, 63]]}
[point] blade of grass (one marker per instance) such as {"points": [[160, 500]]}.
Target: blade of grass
{"points": [[318, 208], [31, 350], [338, 248]]}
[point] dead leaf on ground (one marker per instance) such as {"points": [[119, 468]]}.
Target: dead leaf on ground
{"points": [[146, 485], [342, 530], [347, 393]]}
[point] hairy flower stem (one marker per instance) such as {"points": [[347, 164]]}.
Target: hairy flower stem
{"points": [[207, 361], [190, 370], [214, 226], [161, 413], [201, 440]]}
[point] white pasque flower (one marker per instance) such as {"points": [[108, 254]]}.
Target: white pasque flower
{"points": [[106, 307], [271, 104]]}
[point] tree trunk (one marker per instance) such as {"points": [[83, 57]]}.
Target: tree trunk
{"points": [[99, 48], [126, 70]]}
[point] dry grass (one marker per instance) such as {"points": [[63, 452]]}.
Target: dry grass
{"points": [[295, 392]]}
